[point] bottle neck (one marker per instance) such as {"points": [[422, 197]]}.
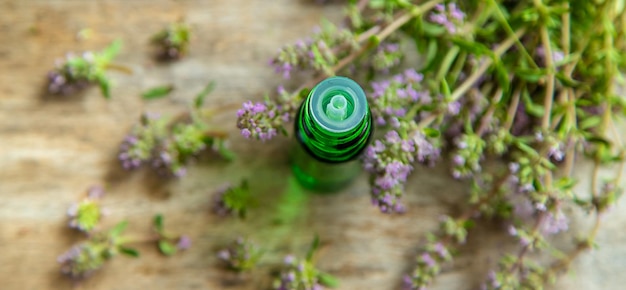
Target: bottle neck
{"points": [[334, 131]]}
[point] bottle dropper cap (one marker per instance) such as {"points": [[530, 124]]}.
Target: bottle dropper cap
{"points": [[337, 108]]}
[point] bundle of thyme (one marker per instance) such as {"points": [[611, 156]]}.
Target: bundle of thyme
{"points": [[529, 83], [169, 144], [100, 246], [173, 41], [77, 72]]}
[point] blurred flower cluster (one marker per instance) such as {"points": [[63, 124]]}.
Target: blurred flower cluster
{"points": [[264, 120], [173, 41], [448, 16], [82, 259], [241, 256], [100, 246], [389, 161], [85, 215], [77, 72], [169, 145], [429, 264], [298, 275], [316, 53], [232, 200], [302, 274], [387, 56], [169, 244]]}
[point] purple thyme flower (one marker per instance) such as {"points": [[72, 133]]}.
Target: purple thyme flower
{"points": [[379, 88], [245, 132], [289, 260], [557, 55], [522, 207], [455, 12], [389, 161], [493, 280], [387, 56], [184, 242], [168, 161], [412, 76], [86, 215], [296, 275], [224, 255], [408, 282], [285, 70], [540, 206], [242, 255], [425, 150], [454, 108], [512, 231], [137, 147], [449, 16], [317, 53], [64, 79], [166, 146], [458, 160], [83, 259], [469, 149], [172, 42], [402, 93], [555, 222], [261, 121], [556, 152], [524, 241], [71, 254], [180, 172], [95, 192], [394, 122], [392, 98], [428, 260], [441, 250], [527, 188]]}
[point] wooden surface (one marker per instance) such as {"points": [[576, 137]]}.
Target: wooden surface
{"points": [[51, 150]]}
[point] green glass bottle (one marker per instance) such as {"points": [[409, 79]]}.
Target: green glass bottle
{"points": [[332, 128]]}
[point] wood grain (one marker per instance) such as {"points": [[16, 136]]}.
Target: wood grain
{"points": [[52, 149]]}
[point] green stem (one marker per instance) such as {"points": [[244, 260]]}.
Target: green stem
{"points": [[136, 239], [404, 18], [427, 121], [489, 114], [119, 67], [549, 94], [449, 241], [564, 264], [510, 116], [380, 36], [522, 253], [446, 63], [520, 46], [470, 81], [486, 62], [565, 31], [620, 145], [453, 76]]}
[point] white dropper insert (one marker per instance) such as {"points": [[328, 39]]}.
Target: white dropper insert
{"points": [[337, 109]]}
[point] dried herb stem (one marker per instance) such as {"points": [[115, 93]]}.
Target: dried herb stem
{"points": [[485, 63]]}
